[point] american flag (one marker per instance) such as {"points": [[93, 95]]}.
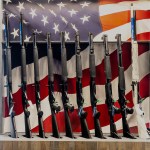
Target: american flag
{"points": [[99, 17]]}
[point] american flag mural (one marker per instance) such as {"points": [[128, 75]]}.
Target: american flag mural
{"points": [[99, 17]]}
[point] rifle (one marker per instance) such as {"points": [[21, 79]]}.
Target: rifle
{"points": [[37, 87], [53, 104], [96, 113], [80, 100], [12, 113], [137, 100], [25, 102], [121, 90], [64, 88], [112, 110]]}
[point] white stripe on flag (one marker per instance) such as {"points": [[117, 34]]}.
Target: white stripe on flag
{"points": [[141, 25], [122, 6]]}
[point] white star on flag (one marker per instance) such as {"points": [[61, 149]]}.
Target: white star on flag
{"points": [[64, 20], [25, 22], [56, 28], [49, 1], [29, 1], [7, 1], [85, 18], [85, 4], [61, 5], [52, 12], [67, 36], [20, 6], [74, 27], [36, 31], [3, 10], [72, 12], [15, 33], [27, 38], [12, 15], [40, 5], [73, 0], [44, 20], [33, 13]]}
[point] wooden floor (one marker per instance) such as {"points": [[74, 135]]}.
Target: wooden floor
{"points": [[73, 145], [36, 143]]}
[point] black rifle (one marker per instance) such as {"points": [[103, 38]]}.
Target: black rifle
{"points": [[37, 88], [112, 110], [64, 88], [9, 80], [55, 108], [96, 113], [80, 100], [121, 90], [25, 103]]}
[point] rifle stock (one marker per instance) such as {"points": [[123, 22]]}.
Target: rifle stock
{"points": [[96, 113], [80, 100], [121, 92], [64, 89], [12, 113], [55, 108], [112, 110], [37, 88]]}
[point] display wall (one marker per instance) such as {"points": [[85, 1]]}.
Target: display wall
{"points": [[99, 17]]}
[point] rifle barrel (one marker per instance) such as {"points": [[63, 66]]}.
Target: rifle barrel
{"points": [[35, 55], [7, 30], [50, 59], [21, 30], [63, 58]]}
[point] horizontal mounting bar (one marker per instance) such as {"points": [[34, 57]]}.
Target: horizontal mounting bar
{"points": [[71, 42]]}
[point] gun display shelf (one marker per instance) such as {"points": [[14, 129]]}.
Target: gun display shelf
{"points": [[65, 143]]}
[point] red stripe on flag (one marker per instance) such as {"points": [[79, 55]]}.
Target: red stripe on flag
{"points": [[104, 2], [134, 129], [142, 37], [145, 36]]}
